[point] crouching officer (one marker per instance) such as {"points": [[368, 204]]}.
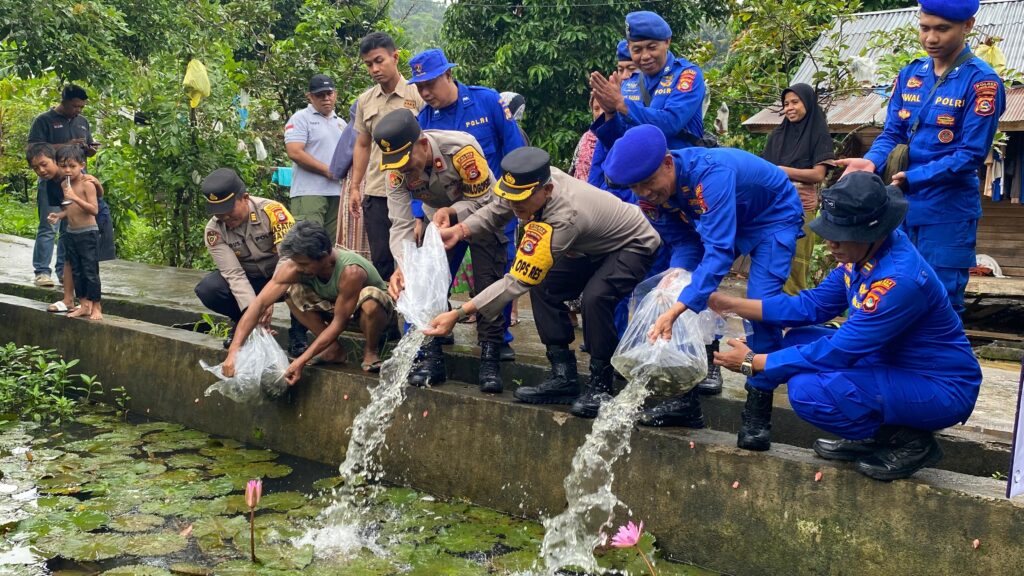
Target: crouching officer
{"points": [[578, 241], [447, 171], [898, 369], [242, 238], [739, 204]]}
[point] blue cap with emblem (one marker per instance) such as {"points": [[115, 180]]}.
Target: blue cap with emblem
{"points": [[952, 10], [428, 65], [645, 25], [622, 52], [636, 156]]}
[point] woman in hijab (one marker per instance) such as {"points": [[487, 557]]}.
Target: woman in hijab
{"points": [[803, 148]]}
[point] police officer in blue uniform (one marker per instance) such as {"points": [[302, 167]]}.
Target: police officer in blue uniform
{"points": [[739, 204], [451, 105], [955, 123], [667, 91], [899, 368]]}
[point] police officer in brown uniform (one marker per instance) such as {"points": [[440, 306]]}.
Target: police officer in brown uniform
{"points": [[242, 238], [448, 172], [578, 241]]}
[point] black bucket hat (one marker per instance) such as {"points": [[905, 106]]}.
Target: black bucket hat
{"points": [[859, 208]]}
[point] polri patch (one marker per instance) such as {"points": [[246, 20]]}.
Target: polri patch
{"points": [[946, 136], [533, 259], [395, 179], [686, 79], [212, 237], [471, 165], [985, 97]]}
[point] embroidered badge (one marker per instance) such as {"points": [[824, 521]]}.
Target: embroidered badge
{"points": [[212, 237], [280, 221], [410, 104], [913, 82], [903, 114], [470, 165], [666, 81], [945, 120], [253, 217], [946, 136], [649, 210], [686, 79], [395, 179], [508, 113], [701, 205], [476, 190], [985, 97], [533, 259]]}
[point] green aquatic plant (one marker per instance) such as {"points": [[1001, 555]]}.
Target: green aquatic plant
{"points": [[38, 384]]}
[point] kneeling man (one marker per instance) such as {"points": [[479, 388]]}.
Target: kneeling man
{"points": [[898, 369], [327, 286]]}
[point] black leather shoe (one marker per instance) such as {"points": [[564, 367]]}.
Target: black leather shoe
{"points": [[562, 387], [490, 370], [908, 451], [597, 392], [845, 450], [756, 421], [430, 368], [683, 410], [712, 384], [506, 353]]}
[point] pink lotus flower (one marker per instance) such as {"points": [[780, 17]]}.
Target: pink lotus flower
{"points": [[253, 491], [628, 535]]}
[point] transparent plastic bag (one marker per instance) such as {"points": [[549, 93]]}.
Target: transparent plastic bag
{"points": [[259, 370], [427, 279], [672, 366]]}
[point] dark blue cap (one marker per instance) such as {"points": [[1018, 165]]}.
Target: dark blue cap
{"points": [[646, 26], [428, 65], [636, 156], [623, 51], [952, 10]]}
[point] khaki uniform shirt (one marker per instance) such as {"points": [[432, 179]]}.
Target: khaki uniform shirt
{"points": [[251, 248], [578, 220], [458, 178], [371, 106]]}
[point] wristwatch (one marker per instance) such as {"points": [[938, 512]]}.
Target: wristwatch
{"points": [[747, 367]]}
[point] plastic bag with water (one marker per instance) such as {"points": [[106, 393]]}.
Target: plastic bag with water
{"points": [[427, 279], [259, 370], [673, 366]]}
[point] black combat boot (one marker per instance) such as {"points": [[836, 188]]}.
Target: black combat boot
{"points": [[490, 372], [851, 450], [713, 383], [907, 451], [597, 392], [683, 410], [756, 427], [429, 369], [561, 388]]}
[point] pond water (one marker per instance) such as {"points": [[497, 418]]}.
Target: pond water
{"points": [[105, 496]]}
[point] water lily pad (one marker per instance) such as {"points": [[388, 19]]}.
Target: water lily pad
{"points": [[110, 505], [225, 455], [216, 533], [514, 562], [284, 556], [158, 544], [283, 501], [329, 482], [190, 569], [136, 570], [98, 420], [170, 507], [85, 546], [179, 478], [250, 470], [188, 461], [156, 426], [57, 502], [464, 538], [247, 568], [176, 436], [136, 523]]}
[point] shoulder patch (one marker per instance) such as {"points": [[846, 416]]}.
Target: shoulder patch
{"points": [[686, 79], [985, 97], [281, 220], [471, 165], [533, 259], [212, 237], [395, 179]]}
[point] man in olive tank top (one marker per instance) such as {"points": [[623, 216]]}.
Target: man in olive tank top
{"points": [[326, 286]]}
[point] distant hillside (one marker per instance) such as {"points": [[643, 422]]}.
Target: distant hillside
{"points": [[421, 20]]}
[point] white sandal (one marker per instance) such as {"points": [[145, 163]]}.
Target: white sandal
{"points": [[57, 307]]}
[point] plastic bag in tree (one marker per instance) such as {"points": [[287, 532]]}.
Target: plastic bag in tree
{"points": [[991, 54], [672, 366], [197, 82], [426, 280], [259, 370]]}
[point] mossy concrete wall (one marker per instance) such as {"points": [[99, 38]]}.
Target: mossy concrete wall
{"points": [[711, 504]]}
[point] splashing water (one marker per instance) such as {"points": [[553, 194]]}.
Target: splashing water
{"points": [[570, 537], [340, 530]]}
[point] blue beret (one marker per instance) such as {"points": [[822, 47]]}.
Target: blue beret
{"points": [[952, 10], [646, 26], [622, 52], [635, 156]]}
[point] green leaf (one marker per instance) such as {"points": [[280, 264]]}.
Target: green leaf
{"points": [[136, 570], [136, 523]]}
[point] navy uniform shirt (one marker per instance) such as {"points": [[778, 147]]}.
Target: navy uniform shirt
{"points": [[677, 97], [900, 317], [735, 200], [952, 140]]}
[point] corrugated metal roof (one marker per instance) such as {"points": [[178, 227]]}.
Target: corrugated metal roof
{"points": [[858, 111], [1003, 18]]}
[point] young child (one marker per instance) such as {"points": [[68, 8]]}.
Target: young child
{"points": [[81, 245], [41, 157]]}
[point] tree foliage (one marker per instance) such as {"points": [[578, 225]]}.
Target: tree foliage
{"points": [[546, 50]]}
